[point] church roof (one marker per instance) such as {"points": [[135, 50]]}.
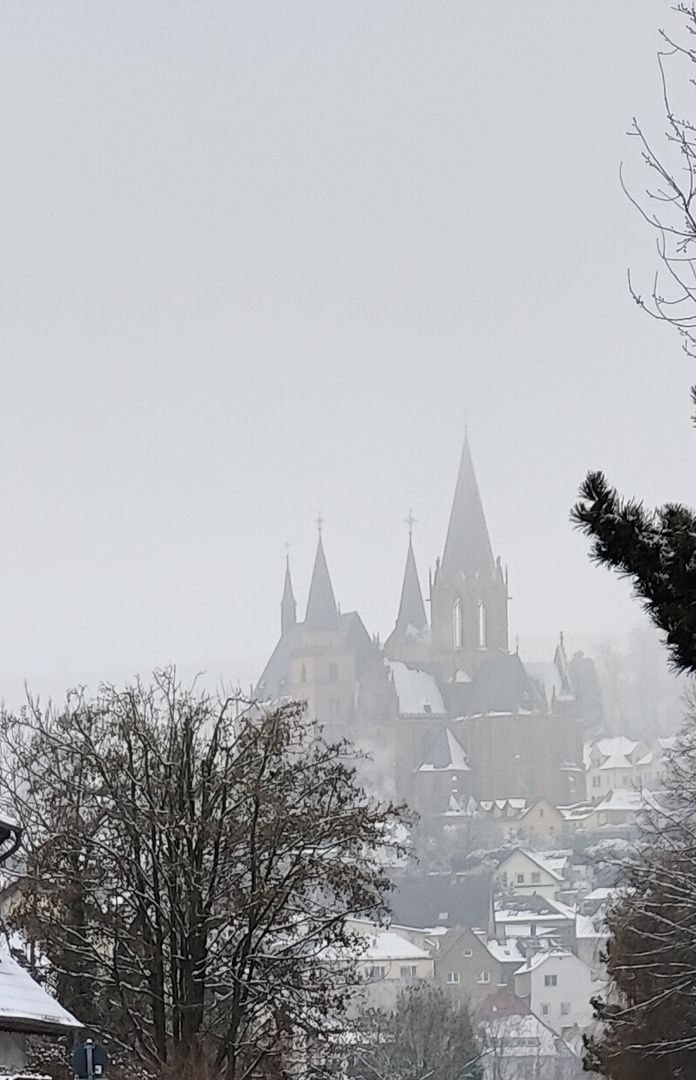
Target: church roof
{"points": [[411, 619], [445, 755], [468, 546], [322, 613], [502, 685]]}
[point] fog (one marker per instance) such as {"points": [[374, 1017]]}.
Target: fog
{"points": [[263, 260]]}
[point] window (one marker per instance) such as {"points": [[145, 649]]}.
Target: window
{"points": [[333, 672], [596, 781], [452, 976], [550, 980], [483, 977], [408, 971], [545, 1008], [541, 811], [457, 624], [377, 971], [482, 627], [467, 952], [565, 1008], [304, 673], [520, 879], [536, 877]]}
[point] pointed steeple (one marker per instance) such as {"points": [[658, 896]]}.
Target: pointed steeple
{"points": [[411, 607], [288, 606], [322, 613], [467, 547]]}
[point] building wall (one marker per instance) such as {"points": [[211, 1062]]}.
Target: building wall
{"points": [[522, 875], [478, 974], [566, 1003]]}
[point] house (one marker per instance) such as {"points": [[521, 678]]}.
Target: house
{"points": [[615, 764], [524, 872], [591, 937], [519, 1046], [533, 917], [26, 1009], [388, 963], [464, 966], [557, 986]]}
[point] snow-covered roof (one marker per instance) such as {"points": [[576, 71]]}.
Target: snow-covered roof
{"points": [[526, 911], [617, 752], [26, 1006], [391, 946], [552, 862], [534, 962], [590, 926], [628, 800], [416, 690], [602, 893], [523, 1036], [506, 952]]}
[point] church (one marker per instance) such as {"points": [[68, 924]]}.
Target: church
{"points": [[443, 708]]}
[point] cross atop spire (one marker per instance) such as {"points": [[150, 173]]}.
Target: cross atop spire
{"points": [[468, 546], [320, 523], [410, 521]]}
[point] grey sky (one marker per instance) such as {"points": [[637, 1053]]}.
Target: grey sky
{"points": [[260, 259]]}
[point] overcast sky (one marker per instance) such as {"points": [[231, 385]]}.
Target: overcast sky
{"points": [[263, 259]]}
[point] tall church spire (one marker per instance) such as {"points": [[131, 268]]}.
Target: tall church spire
{"points": [[411, 608], [288, 606], [322, 613], [467, 547]]}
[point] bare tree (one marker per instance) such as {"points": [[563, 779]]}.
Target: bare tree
{"points": [[425, 1038], [668, 201], [192, 868]]}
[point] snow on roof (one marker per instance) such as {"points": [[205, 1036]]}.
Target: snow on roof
{"points": [[628, 800], [602, 893], [546, 911], [417, 691], [523, 1036], [446, 754], [506, 953], [616, 752], [552, 862], [391, 946], [26, 1006], [534, 962], [588, 926]]}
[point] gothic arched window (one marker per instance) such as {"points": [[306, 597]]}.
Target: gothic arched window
{"points": [[457, 624], [482, 626], [304, 673]]}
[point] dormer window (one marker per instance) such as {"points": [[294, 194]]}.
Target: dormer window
{"points": [[457, 624], [482, 627]]}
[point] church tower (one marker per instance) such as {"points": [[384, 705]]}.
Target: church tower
{"points": [[469, 594], [323, 664], [288, 606], [410, 639]]}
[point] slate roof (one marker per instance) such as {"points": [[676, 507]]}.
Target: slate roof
{"points": [[468, 546], [411, 620], [445, 755], [502, 685], [322, 613]]}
